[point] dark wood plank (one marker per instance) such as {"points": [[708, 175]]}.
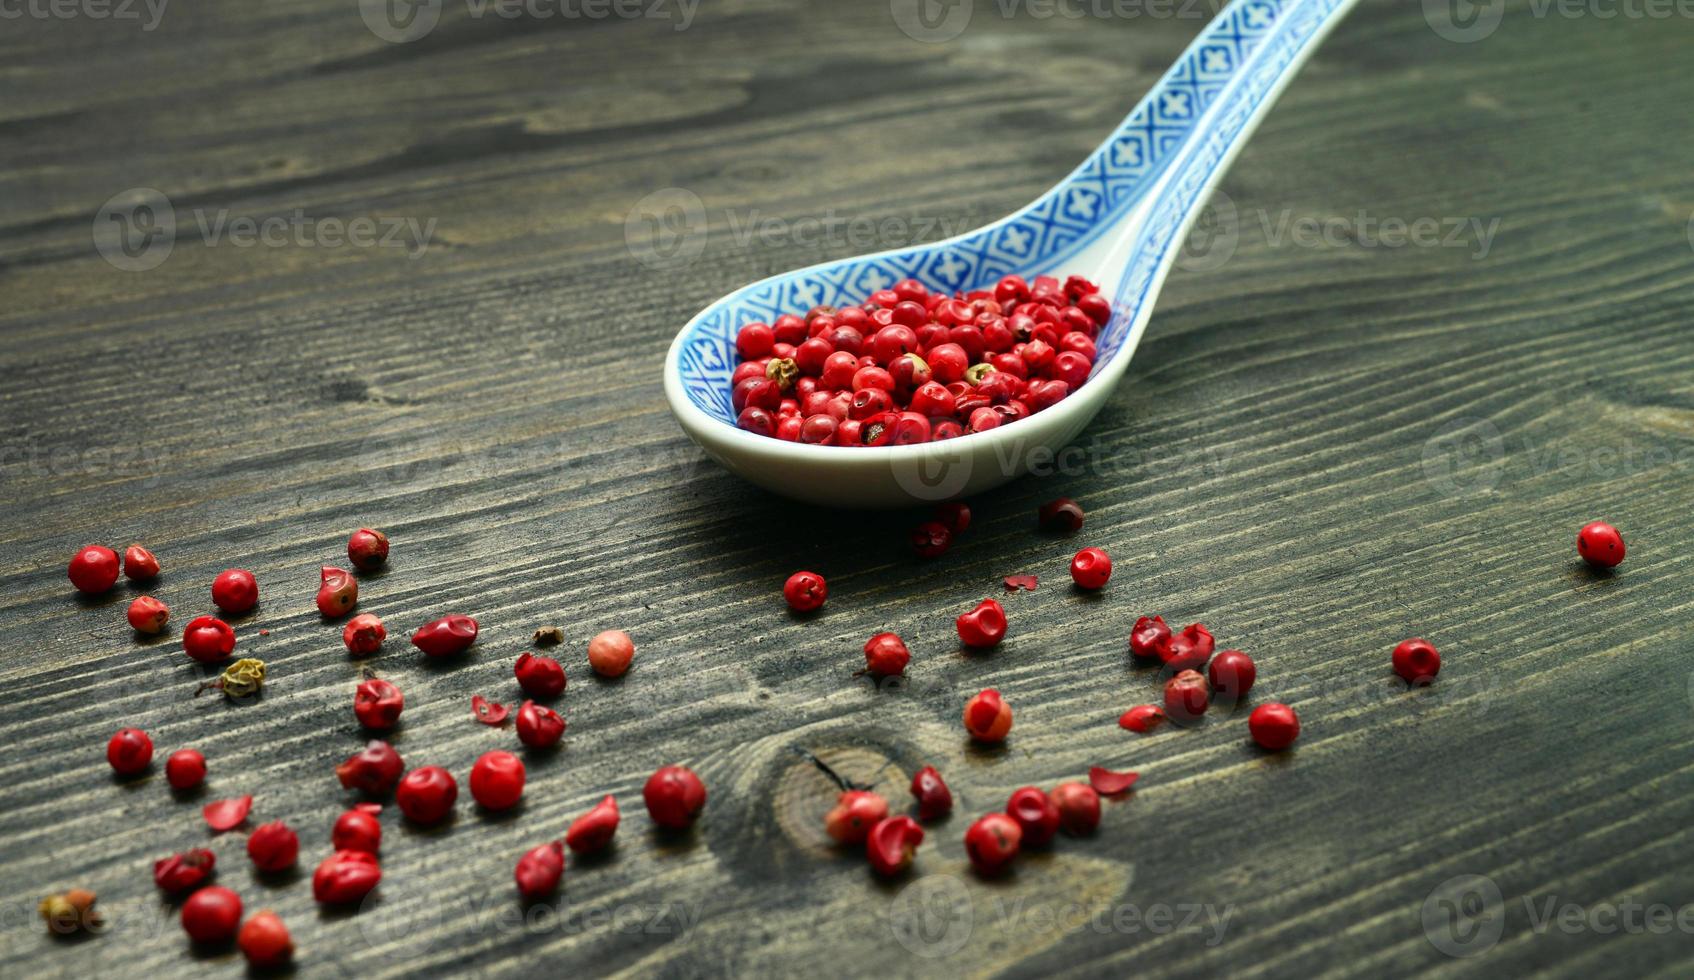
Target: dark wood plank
{"points": [[1287, 462]]}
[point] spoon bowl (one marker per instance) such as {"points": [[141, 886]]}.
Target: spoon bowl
{"points": [[1119, 219]]}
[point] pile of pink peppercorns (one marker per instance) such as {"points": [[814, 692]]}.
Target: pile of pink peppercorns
{"points": [[674, 796], [1032, 816], [910, 365], [211, 914]]}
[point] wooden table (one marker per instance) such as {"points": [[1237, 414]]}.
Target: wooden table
{"points": [[1326, 444]]}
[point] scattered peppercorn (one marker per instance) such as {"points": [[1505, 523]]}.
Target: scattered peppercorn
{"points": [[931, 539], [377, 704], [240, 679], [984, 626], [1274, 726], [1109, 783], [538, 872], [94, 570], [1091, 568], [208, 639], [1063, 515], [375, 769], [1142, 718], [1417, 661], [129, 752], [345, 877], [222, 815], [988, 717], [358, 829], [1036, 813], [1186, 696], [892, 844], [367, 549], [139, 564], [886, 655], [235, 591], [674, 796], [1150, 638], [148, 615], [488, 712], [540, 677], [497, 780], [805, 591], [363, 635], [265, 941], [992, 843], [338, 592], [182, 873], [185, 769], [1598, 543], [446, 636], [935, 800], [610, 652], [539, 726], [593, 830], [211, 915], [1232, 674], [426, 795], [855, 812], [273, 846], [1079, 808]]}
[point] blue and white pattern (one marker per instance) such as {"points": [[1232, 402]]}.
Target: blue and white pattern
{"points": [[1044, 236]]}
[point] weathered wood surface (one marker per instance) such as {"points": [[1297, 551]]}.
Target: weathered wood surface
{"points": [[1321, 448]]}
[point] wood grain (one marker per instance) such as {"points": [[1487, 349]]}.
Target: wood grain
{"points": [[1319, 451]]}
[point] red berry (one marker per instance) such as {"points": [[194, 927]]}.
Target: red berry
{"points": [[806, 591], [265, 941], [1063, 514], [129, 752], [1232, 674], [992, 842], [345, 877], [1150, 638], [539, 726], [892, 843], [956, 516], [1598, 543], [488, 712], [375, 769], [610, 652], [235, 591], [426, 795], [988, 717], [211, 915], [148, 615], [185, 769], [931, 539], [367, 549], [540, 677], [338, 592], [1109, 783], [222, 815], [446, 636], [377, 704], [1079, 808], [538, 871], [1091, 568], [755, 340], [855, 812], [363, 635], [593, 830], [497, 780], [94, 569], [357, 829], [139, 564], [1274, 726], [1142, 718], [208, 639], [1416, 661], [886, 655], [184, 872], [1186, 696], [273, 846], [674, 797], [935, 800], [1036, 813], [1189, 649], [984, 626]]}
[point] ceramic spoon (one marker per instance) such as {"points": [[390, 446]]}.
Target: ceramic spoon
{"points": [[1119, 219]]}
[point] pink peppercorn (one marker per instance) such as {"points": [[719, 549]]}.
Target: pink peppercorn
{"points": [[94, 569], [540, 677], [610, 653], [674, 796], [139, 564], [538, 871], [1274, 726], [1036, 813], [988, 718], [886, 655], [539, 726], [185, 769], [273, 846], [1600, 545], [1417, 661], [375, 769], [377, 704], [208, 639], [984, 626], [1232, 674], [426, 795], [367, 549], [184, 872], [593, 830], [338, 592], [1091, 568], [1186, 696], [129, 752], [446, 636], [345, 877], [211, 915], [235, 591], [993, 842], [497, 780], [1079, 808], [935, 800], [265, 941], [806, 591], [1142, 718], [357, 830], [855, 812], [148, 615], [363, 635]]}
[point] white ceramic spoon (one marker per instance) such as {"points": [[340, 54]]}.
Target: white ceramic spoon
{"points": [[1119, 220]]}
